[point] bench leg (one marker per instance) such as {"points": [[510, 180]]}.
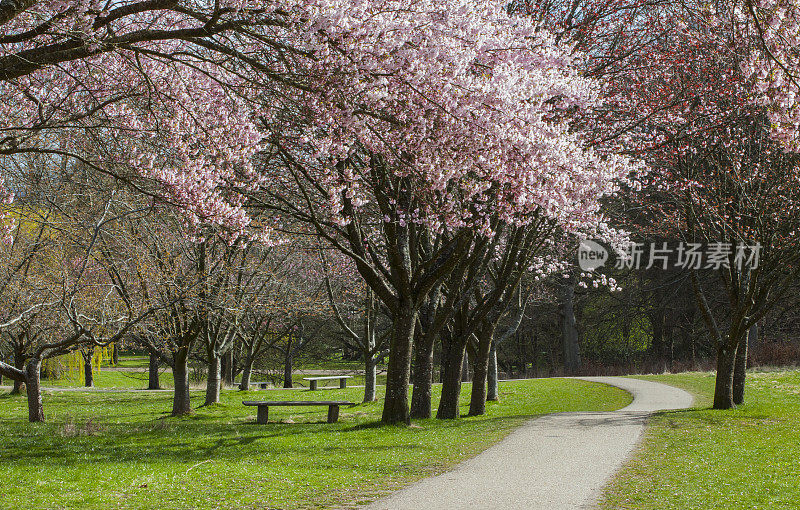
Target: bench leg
{"points": [[333, 414], [263, 415], [313, 385], [263, 386], [343, 383]]}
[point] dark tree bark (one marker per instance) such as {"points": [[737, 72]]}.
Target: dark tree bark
{"points": [[181, 403], [19, 363], [423, 377], [451, 379], [214, 379], [33, 371], [153, 382], [752, 339], [477, 402], [723, 389], [88, 374], [247, 370], [287, 369], [88, 369], [432, 316], [465, 375], [395, 407], [740, 369], [398, 271], [492, 390], [227, 367], [569, 330], [11, 8]]}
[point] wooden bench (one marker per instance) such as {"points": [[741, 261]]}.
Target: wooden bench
{"points": [[313, 380], [261, 384], [263, 407]]}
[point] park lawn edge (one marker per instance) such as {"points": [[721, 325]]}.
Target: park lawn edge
{"points": [[711, 459], [340, 479]]}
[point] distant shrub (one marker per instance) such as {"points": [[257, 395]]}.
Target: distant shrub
{"points": [[780, 354]]}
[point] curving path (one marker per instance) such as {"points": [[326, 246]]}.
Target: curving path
{"points": [[559, 461]]}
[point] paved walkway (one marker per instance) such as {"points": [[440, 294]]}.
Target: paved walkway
{"points": [[559, 461]]}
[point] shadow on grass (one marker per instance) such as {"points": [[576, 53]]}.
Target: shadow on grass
{"points": [[184, 441]]}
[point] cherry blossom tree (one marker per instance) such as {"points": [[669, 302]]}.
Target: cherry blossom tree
{"points": [[142, 76], [377, 124], [460, 112], [696, 89]]}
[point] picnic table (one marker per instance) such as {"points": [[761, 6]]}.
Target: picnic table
{"points": [[263, 407], [313, 380]]}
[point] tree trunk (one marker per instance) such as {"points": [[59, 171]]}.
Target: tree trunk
{"points": [[214, 380], [492, 392], [287, 370], [395, 405], [752, 340], [370, 377], [227, 368], [19, 363], [740, 369], [115, 354], [247, 371], [423, 377], [723, 389], [88, 372], [465, 366], [477, 403], [451, 380], [181, 403], [33, 372], [569, 330], [153, 382]]}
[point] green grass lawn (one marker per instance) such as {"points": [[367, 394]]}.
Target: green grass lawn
{"points": [[133, 361], [121, 450], [108, 377], [111, 377], [746, 458], [334, 364]]}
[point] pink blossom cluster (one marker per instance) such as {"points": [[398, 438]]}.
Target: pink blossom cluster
{"points": [[776, 68], [470, 105], [162, 111]]}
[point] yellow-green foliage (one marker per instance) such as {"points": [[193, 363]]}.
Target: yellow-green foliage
{"points": [[53, 368], [70, 366]]}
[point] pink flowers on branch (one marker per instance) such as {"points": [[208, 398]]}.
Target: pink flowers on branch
{"points": [[465, 100], [133, 90], [407, 132], [468, 104], [776, 68]]}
